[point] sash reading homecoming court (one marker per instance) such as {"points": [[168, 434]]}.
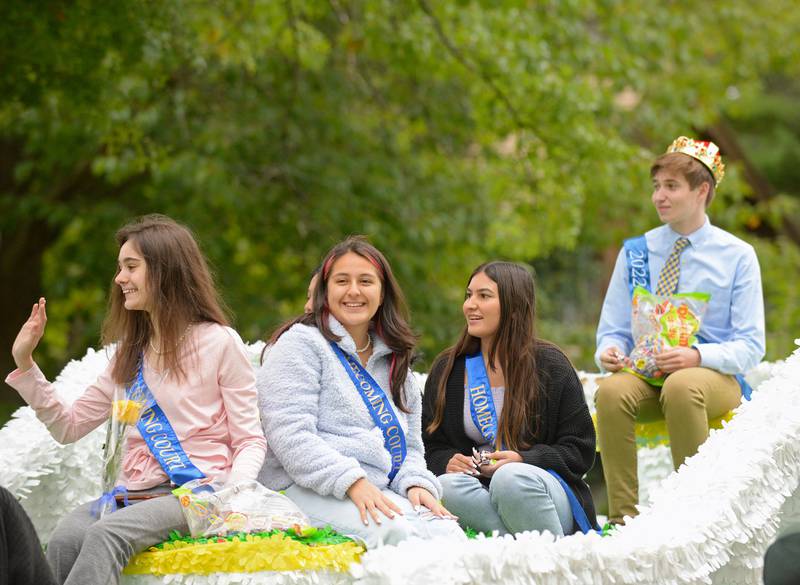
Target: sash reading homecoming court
{"points": [[160, 437], [161, 440], [379, 407], [484, 415]]}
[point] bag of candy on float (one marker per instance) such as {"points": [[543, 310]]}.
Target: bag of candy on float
{"points": [[215, 510], [659, 323]]}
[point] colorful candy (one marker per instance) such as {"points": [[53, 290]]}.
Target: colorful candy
{"points": [[660, 323], [243, 507]]}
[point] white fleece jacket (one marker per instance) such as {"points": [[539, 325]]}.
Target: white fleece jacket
{"points": [[320, 434]]}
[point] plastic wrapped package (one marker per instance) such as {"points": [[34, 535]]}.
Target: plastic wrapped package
{"points": [[248, 506], [659, 323]]}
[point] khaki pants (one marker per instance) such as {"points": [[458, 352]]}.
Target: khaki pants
{"points": [[688, 399]]}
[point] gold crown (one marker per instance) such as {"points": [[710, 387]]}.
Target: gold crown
{"points": [[706, 152]]}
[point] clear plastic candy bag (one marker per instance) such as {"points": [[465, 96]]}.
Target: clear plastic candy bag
{"points": [[659, 323], [213, 510]]}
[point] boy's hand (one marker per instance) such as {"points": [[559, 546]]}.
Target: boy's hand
{"points": [[612, 360], [678, 358]]}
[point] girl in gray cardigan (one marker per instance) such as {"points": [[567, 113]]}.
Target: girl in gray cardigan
{"points": [[342, 416]]}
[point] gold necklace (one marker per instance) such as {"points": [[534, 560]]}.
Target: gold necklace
{"points": [[180, 340]]}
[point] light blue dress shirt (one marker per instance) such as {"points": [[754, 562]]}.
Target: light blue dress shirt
{"points": [[715, 262]]}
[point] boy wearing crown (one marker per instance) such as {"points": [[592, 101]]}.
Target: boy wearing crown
{"points": [[703, 381]]}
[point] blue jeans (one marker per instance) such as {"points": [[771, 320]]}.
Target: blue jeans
{"points": [[343, 516], [520, 497]]}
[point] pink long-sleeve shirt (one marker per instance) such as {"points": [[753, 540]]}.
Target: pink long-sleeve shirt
{"points": [[214, 411]]}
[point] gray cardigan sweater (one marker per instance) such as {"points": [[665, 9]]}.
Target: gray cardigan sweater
{"points": [[320, 434]]}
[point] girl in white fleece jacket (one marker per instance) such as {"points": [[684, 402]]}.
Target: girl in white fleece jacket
{"points": [[341, 413]]}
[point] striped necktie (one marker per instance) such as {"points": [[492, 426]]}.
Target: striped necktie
{"points": [[668, 279]]}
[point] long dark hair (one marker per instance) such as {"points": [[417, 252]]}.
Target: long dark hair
{"points": [[516, 343], [390, 321], [181, 290]]}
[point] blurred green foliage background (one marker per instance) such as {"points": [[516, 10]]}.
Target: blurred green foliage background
{"points": [[449, 132]]}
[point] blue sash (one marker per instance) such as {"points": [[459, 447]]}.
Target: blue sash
{"points": [[581, 519], [747, 390], [639, 275], [481, 406], [161, 439], [379, 407], [638, 263], [481, 401]]}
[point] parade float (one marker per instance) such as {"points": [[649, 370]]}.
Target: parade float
{"points": [[709, 522]]}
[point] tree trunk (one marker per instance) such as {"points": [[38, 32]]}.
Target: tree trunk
{"points": [[21, 285], [724, 135]]}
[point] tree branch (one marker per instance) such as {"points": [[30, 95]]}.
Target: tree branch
{"points": [[459, 56]]}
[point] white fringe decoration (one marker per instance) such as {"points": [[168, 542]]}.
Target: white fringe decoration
{"points": [[708, 523]]}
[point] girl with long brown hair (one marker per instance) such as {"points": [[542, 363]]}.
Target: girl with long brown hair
{"points": [[173, 346], [341, 412], [505, 423]]}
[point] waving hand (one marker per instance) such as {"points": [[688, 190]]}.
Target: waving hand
{"points": [[29, 336]]}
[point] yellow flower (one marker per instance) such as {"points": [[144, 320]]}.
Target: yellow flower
{"points": [[126, 411]]}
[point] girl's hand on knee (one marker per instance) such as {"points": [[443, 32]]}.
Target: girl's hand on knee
{"points": [[419, 496], [29, 335], [461, 464], [370, 500]]}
